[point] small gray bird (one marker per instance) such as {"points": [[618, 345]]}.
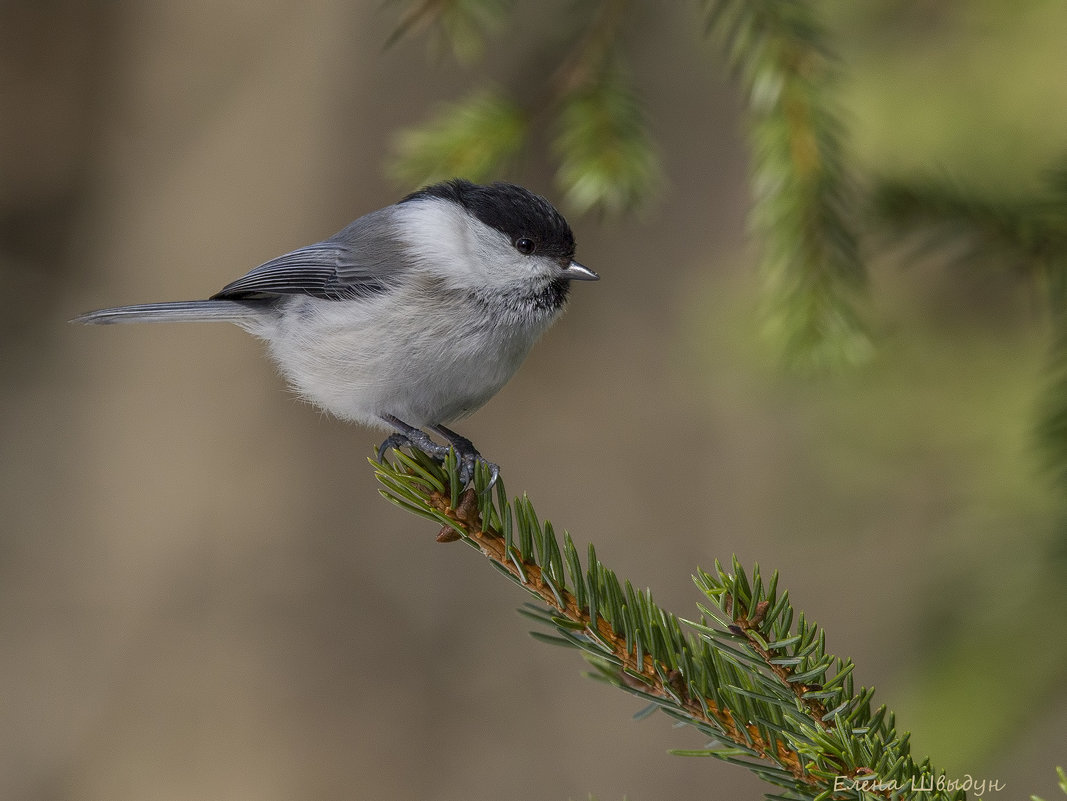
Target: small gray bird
{"points": [[411, 317]]}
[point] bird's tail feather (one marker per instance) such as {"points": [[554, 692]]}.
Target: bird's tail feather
{"points": [[225, 311]]}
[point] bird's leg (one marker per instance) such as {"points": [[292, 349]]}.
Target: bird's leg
{"points": [[468, 456], [410, 436]]}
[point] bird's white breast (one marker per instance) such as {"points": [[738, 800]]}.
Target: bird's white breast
{"points": [[419, 353]]}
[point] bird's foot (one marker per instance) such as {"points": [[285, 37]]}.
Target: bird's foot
{"points": [[466, 453], [468, 457]]}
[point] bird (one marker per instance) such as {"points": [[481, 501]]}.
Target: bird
{"points": [[411, 317]]}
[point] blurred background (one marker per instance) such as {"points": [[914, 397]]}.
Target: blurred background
{"points": [[203, 596]]}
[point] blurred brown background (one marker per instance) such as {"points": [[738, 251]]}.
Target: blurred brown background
{"points": [[201, 593]]}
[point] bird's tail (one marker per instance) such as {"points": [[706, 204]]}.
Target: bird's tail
{"points": [[223, 311]]}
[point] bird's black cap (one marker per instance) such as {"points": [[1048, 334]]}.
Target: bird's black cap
{"points": [[514, 211]]}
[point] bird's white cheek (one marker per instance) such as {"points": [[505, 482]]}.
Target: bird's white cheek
{"points": [[437, 237]]}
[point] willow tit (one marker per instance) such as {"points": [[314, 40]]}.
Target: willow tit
{"points": [[411, 317]]}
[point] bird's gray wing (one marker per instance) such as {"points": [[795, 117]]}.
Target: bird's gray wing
{"points": [[358, 262]]}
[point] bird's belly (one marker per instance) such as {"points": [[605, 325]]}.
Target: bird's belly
{"points": [[359, 372]]}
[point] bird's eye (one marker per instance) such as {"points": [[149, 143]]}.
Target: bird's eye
{"points": [[525, 245]]}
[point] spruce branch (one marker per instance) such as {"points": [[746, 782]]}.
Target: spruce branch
{"points": [[474, 138], [606, 157], [1051, 429], [750, 674], [462, 25], [1027, 236], [607, 160], [813, 271]]}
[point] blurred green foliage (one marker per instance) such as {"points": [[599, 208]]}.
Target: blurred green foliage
{"points": [[801, 201], [881, 134], [459, 26], [606, 158], [474, 138]]}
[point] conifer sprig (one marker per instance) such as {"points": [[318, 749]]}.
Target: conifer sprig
{"points": [[606, 158], [1026, 236], [460, 25], [750, 674], [811, 263]]}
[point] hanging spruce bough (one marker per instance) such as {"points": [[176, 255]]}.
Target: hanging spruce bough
{"points": [[474, 138], [1025, 237], [606, 160], [750, 674], [457, 25], [811, 264]]}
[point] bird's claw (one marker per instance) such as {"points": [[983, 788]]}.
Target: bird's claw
{"points": [[467, 455], [467, 467], [469, 458], [392, 442]]}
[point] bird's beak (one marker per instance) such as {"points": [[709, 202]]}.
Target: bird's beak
{"points": [[579, 272]]}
